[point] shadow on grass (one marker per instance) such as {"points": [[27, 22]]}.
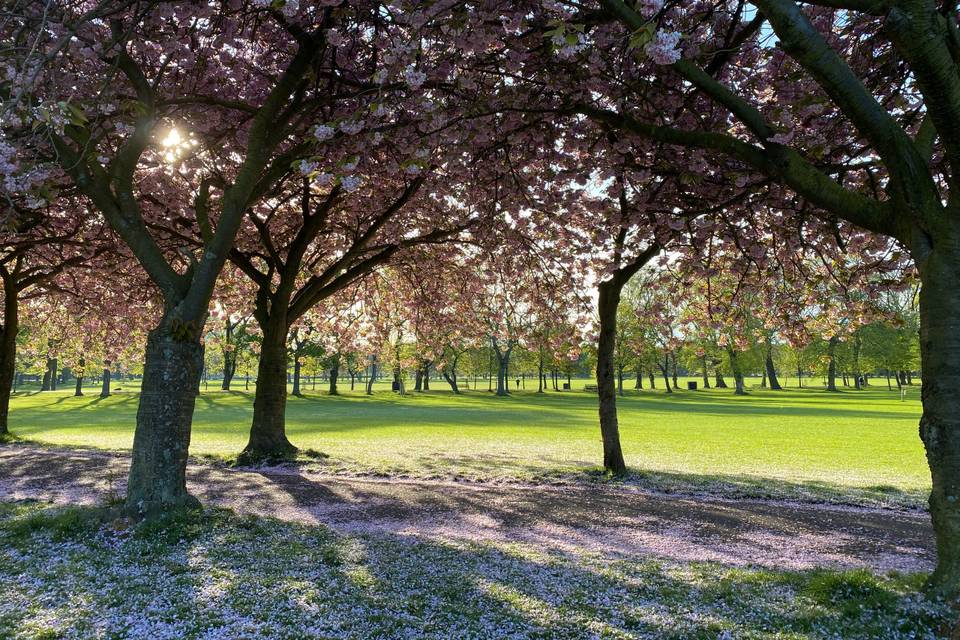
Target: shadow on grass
{"points": [[195, 573], [506, 468]]}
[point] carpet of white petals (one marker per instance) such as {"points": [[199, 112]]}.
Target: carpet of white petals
{"points": [[86, 572]]}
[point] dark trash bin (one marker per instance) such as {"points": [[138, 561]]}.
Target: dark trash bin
{"points": [[566, 386], [396, 386], [691, 385]]}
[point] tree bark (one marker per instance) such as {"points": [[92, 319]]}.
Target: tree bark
{"points": [[503, 367], [541, 378], [652, 377], [832, 365], [638, 384], [418, 379], [450, 375], [50, 376], [664, 370], [718, 380], [620, 380], [940, 423], [673, 371], [607, 303], [268, 438], [105, 384], [229, 356], [739, 389], [78, 390], [451, 379], [771, 370], [373, 376], [8, 349], [334, 376], [426, 376], [706, 373], [171, 376], [297, 366]]}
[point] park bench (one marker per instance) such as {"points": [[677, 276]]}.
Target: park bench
{"points": [[591, 387]]}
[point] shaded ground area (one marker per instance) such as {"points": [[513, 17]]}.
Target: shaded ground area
{"points": [[608, 520]]}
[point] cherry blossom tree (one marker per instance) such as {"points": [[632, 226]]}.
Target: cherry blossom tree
{"points": [[850, 105]]}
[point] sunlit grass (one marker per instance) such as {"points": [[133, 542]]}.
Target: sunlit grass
{"points": [[852, 440]]}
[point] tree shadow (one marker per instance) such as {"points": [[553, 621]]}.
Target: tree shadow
{"points": [[212, 572]]}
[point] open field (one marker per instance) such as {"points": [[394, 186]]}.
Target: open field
{"points": [[852, 447]]}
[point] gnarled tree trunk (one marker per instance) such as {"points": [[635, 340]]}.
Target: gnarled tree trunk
{"points": [[171, 376]]}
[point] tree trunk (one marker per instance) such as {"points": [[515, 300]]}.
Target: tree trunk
{"points": [[718, 380], [620, 380], [418, 379], [666, 377], [799, 377], [940, 423], [8, 349], [46, 384], [673, 363], [297, 366], [105, 383], [771, 370], [373, 376], [541, 378], [229, 355], [229, 369], [652, 377], [268, 438], [451, 379], [334, 376], [78, 390], [503, 368], [450, 375], [639, 382], [171, 376], [607, 303], [832, 365], [739, 388], [426, 376], [706, 373]]}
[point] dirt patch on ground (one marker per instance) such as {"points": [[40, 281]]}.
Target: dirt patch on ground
{"points": [[608, 520]]}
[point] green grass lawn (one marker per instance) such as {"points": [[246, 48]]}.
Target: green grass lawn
{"points": [[853, 446]]}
